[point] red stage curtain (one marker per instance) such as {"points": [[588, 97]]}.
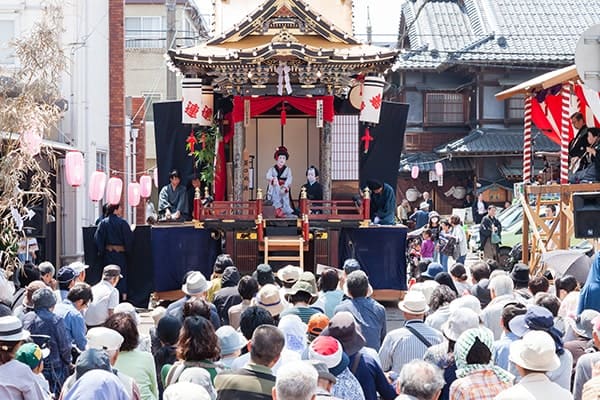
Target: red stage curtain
{"points": [[260, 105], [541, 121]]}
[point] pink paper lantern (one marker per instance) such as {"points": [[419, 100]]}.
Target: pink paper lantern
{"points": [[439, 169], [97, 185], [155, 177], [74, 168], [414, 172], [113, 190], [145, 186], [133, 194]]}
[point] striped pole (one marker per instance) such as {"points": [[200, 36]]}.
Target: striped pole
{"points": [[564, 133], [527, 141]]}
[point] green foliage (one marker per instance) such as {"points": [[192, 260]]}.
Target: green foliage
{"points": [[204, 151]]}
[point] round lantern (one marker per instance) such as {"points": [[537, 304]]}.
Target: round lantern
{"points": [[97, 185], [74, 168], [155, 177], [113, 190], [439, 169], [372, 99], [31, 142], [414, 172], [133, 194], [145, 186]]}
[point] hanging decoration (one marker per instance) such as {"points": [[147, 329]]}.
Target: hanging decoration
{"points": [[114, 188], [246, 112], [260, 105], [414, 172], [191, 143], [191, 100], [372, 99], [133, 194], [145, 186], [204, 158], [283, 72], [439, 169], [74, 168], [320, 113], [283, 117], [366, 139], [31, 141], [97, 185], [206, 114]]}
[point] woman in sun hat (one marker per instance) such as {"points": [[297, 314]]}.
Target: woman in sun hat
{"points": [[17, 381]]}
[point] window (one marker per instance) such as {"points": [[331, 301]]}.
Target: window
{"points": [[149, 99], [344, 148], [515, 107], [7, 34], [144, 32], [101, 162], [445, 108]]}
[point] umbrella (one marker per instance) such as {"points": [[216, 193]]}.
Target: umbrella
{"points": [[568, 262]]}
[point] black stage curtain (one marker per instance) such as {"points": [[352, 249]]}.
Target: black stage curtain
{"points": [[381, 253], [383, 159], [170, 138], [140, 278]]}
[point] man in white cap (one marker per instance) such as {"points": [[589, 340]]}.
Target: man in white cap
{"points": [[533, 356], [194, 285], [402, 345], [105, 297], [110, 341], [79, 269]]}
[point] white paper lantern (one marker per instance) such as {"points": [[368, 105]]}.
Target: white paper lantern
{"points": [[372, 99], [97, 185], [439, 169], [205, 116], [113, 190], [133, 194], [145, 186], [414, 172], [191, 100]]}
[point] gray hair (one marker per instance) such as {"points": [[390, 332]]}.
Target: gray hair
{"points": [[46, 267], [420, 379], [296, 381], [501, 285]]}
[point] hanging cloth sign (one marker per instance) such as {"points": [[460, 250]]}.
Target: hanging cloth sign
{"points": [[319, 113], [246, 112], [283, 71]]}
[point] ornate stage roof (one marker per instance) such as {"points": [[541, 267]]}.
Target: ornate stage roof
{"points": [[282, 40]]}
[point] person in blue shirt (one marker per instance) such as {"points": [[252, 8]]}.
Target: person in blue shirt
{"points": [[71, 310], [383, 202]]}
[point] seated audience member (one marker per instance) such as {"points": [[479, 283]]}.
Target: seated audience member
{"points": [[186, 391], [47, 274], [419, 380], [538, 284], [328, 350], [502, 346], [534, 355], [247, 288], [195, 287], [520, 277], [552, 304], [402, 345], [329, 294], [567, 290], [439, 306], [66, 278], [477, 376], [264, 275], [144, 340], [167, 332], [134, 363], [368, 313], [325, 382], [98, 385], [33, 356], [71, 311], [585, 366], [294, 331], [316, 325], [502, 293], [198, 376], [27, 304], [223, 261], [80, 270], [269, 298], [231, 342], [296, 381], [287, 276], [480, 270], [583, 328], [17, 380], [228, 295], [300, 297], [255, 380], [105, 297], [459, 275], [25, 274]]}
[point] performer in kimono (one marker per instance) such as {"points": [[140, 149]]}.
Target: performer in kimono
{"points": [[279, 177], [172, 199]]}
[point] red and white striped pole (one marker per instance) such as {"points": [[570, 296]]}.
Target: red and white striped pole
{"points": [[564, 133], [527, 141]]}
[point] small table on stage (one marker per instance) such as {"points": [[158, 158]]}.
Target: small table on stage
{"points": [[381, 252]]}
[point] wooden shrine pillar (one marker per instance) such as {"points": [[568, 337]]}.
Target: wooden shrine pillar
{"points": [[239, 134], [325, 160]]}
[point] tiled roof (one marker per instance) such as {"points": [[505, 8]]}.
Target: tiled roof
{"points": [[426, 162], [494, 31], [494, 141]]}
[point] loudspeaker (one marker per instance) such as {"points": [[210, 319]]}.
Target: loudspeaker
{"points": [[586, 214]]}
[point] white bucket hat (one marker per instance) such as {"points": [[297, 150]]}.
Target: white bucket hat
{"points": [[195, 284], [459, 321], [414, 303], [535, 352], [11, 329]]}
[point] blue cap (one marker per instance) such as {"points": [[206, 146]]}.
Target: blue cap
{"points": [[66, 274], [432, 270]]}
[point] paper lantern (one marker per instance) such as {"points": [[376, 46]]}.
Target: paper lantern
{"points": [[133, 194], [145, 186], [439, 169], [155, 177], [372, 99], [74, 168], [114, 188], [414, 172], [31, 142], [207, 109], [191, 100], [97, 185]]}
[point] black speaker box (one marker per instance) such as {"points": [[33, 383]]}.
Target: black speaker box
{"points": [[586, 214]]}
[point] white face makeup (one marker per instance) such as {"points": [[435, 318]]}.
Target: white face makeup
{"points": [[311, 176], [281, 161]]}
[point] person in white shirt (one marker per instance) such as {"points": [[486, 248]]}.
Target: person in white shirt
{"points": [[106, 297], [533, 356]]}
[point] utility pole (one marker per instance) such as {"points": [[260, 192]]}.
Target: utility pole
{"points": [[171, 29], [369, 28]]}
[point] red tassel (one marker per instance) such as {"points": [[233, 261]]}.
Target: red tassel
{"points": [[283, 115]]}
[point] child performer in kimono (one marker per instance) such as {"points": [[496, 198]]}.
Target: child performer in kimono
{"points": [[279, 177]]}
